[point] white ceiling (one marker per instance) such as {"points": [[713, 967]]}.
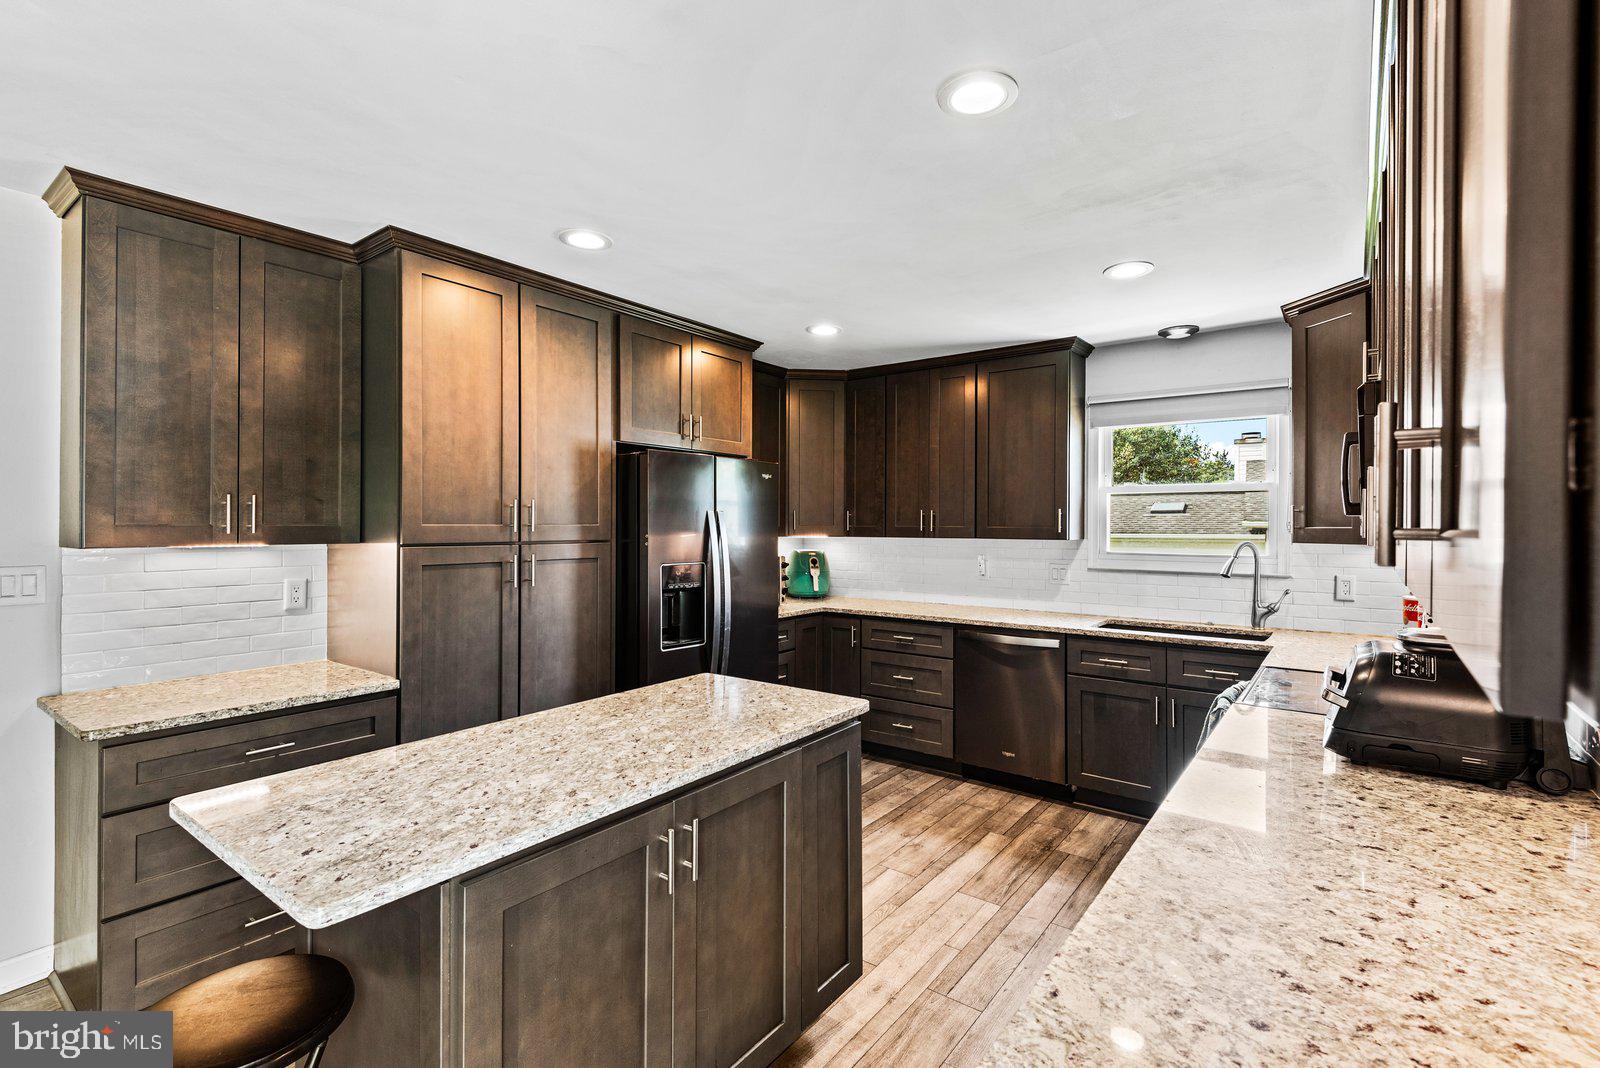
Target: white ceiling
{"points": [[761, 164]]}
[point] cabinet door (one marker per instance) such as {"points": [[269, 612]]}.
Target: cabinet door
{"points": [[767, 417], [841, 655], [952, 452], [1328, 347], [299, 396], [786, 668], [1028, 407], [160, 382], [1186, 717], [1117, 738], [460, 404], [458, 638], [567, 418], [864, 456], [907, 488], [830, 780], [814, 458], [567, 956], [737, 982], [654, 390], [807, 672], [720, 398], [566, 632]]}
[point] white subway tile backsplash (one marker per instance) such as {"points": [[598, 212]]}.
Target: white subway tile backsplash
{"points": [[146, 615]]}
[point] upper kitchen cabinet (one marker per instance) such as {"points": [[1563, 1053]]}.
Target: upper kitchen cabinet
{"points": [[767, 414], [931, 452], [1329, 347], [814, 455], [680, 391], [568, 353], [865, 456], [1030, 446], [210, 375]]}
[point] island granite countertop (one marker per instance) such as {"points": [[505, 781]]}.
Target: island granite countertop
{"points": [[1297, 650], [124, 711], [330, 842], [1285, 906]]}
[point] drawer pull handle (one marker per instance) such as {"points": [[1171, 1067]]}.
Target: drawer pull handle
{"points": [[1111, 660], [1008, 753], [270, 748], [902, 637], [903, 678], [263, 919], [782, 675], [902, 726], [1221, 673]]}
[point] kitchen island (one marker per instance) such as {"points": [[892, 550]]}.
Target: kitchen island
{"points": [[1285, 906], [671, 871]]}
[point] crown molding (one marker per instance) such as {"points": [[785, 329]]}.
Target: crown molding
{"points": [[1326, 296]]}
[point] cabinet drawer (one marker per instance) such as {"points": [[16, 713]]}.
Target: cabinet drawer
{"points": [[898, 635], [143, 773], [145, 859], [904, 677], [906, 726], [1210, 669], [786, 668], [1138, 661], [785, 635], [148, 955]]}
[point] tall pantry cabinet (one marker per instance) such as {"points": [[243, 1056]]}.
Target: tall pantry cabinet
{"points": [[484, 583]]}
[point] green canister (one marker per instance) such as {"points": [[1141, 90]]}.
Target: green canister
{"points": [[808, 573]]}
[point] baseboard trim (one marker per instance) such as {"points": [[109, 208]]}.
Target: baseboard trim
{"points": [[25, 969]]}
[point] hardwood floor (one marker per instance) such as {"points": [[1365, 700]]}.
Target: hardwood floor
{"points": [[969, 889]]}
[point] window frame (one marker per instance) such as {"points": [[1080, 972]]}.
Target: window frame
{"points": [[1097, 511]]}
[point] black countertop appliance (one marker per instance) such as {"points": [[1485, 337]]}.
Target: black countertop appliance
{"points": [[1412, 704]]}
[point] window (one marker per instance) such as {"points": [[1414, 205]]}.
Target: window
{"points": [[1180, 495]]}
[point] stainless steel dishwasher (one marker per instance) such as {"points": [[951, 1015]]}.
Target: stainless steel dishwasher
{"points": [[1011, 703]]}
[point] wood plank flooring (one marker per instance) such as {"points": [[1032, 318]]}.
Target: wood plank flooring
{"points": [[968, 891]]}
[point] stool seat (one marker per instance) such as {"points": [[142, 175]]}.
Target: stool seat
{"points": [[265, 1013]]}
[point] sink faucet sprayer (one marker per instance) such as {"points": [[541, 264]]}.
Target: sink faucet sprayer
{"points": [[1260, 611]]}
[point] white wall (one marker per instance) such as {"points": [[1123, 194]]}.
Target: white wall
{"points": [[142, 615], [30, 663], [1241, 356]]}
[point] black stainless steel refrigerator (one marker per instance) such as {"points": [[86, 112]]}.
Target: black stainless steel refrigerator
{"points": [[697, 559]]}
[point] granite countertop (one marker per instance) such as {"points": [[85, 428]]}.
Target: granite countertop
{"points": [[122, 711], [330, 842], [1298, 650], [1285, 906]]}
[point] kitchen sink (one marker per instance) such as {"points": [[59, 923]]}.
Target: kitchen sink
{"points": [[1181, 630]]}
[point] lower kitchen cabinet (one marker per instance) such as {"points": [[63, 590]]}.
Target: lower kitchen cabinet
{"points": [[1186, 718], [565, 626], [840, 666], [804, 666], [1118, 740], [709, 930]]}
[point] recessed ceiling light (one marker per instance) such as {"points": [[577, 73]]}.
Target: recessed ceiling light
{"points": [[1178, 333], [977, 92], [822, 329], [1129, 269], [588, 240]]}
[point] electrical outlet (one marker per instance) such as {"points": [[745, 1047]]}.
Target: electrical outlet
{"points": [[1344, 588], [983, 566], [296, 595], [1058, 573]]}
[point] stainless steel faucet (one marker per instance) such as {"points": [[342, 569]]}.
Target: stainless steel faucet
{"points": [[1260, 611]]}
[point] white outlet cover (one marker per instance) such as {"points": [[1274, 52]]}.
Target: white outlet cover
{"points": [[1344, 588], [983, 566], [296, 596]]}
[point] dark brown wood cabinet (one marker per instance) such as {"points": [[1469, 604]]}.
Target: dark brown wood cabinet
{"points": [[830, 894], [908, 414], [767, 415], [1329, 334], [865, 456], [568, 955], [678, 391], [806, 661], [1117, 741], [211, 385], [931, 452], [1030, 431], [565, 624], [1186, 718], [814, 456], [840, 638], [567, 361]]}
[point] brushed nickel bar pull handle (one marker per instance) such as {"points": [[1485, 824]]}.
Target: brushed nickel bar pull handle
{"points": [[1219, 672], [671, 859], [693, 863], [794, 523], [1158, 711], [903, 678], [227, 513], [516, 508], [1172, 712], [251, 923], [533, 566], [1058, 521], [1008, 753], [847, 520], [699, 428], [933, 520], [921, 518], [902, 726], [532, 513], [782, 675], [251, 526], [1110, 660], [902, 637], [512, 581], [270, 748], [852, 635]]}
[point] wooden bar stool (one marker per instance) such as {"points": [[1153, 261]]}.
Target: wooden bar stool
{"points": [[266, 1013]]}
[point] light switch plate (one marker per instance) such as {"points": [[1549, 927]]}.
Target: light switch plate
{"points": [[21, 585], [1058, 573], [1344, 588], [296, 596], [983, 566]]}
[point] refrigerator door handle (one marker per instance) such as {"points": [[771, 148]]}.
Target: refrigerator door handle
{"points": [[725, 595], [714, 614]]}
